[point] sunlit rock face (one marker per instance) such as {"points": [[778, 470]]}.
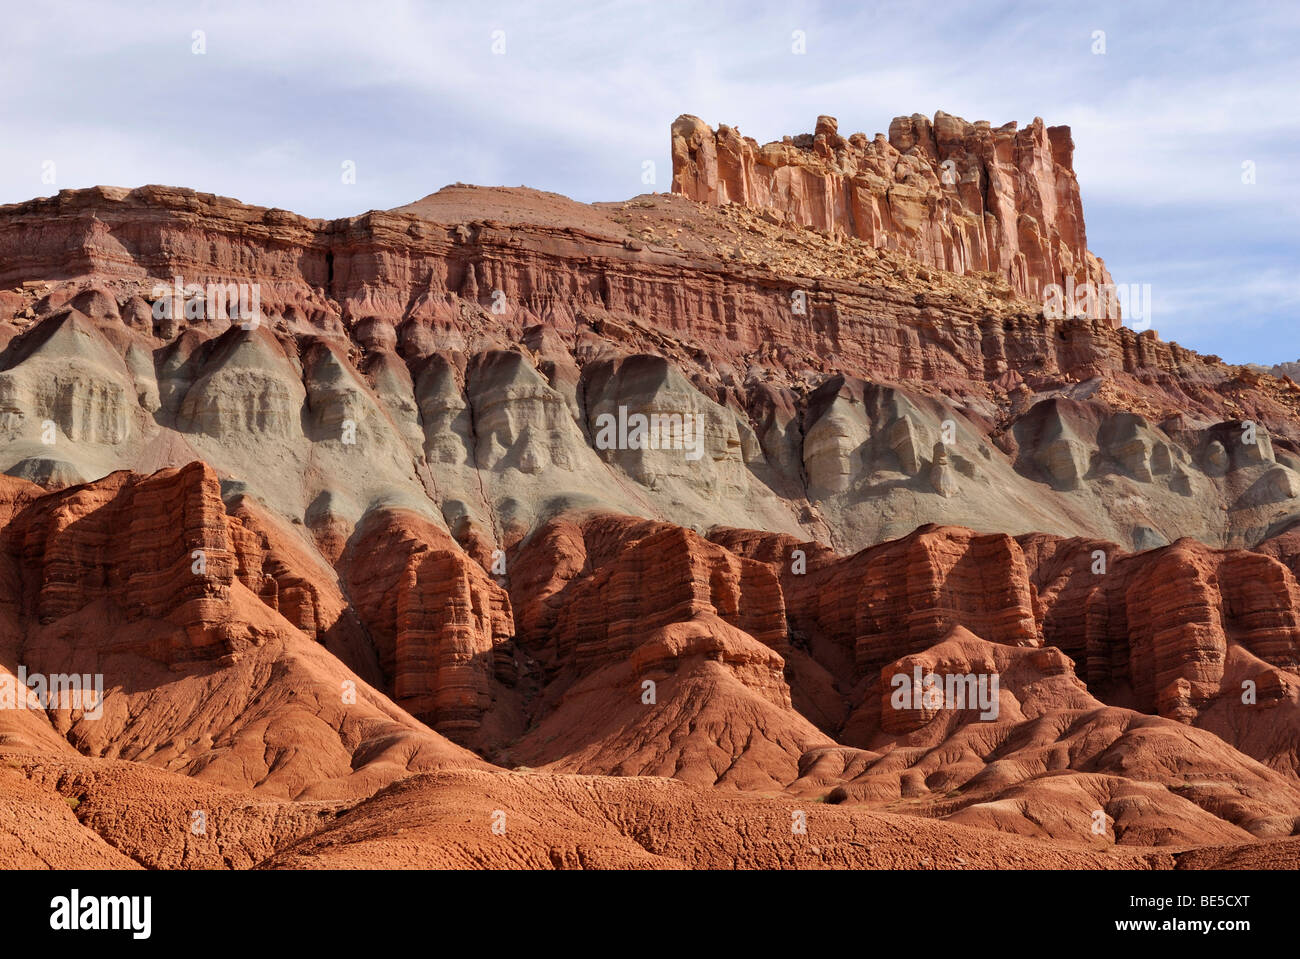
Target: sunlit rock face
{"points": [[832, 445], [554, 504], [438, 623], [385, 362], [955, 195]]}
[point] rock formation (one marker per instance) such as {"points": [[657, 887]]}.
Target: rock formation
{"points": [[649, 525], [958, 196]]}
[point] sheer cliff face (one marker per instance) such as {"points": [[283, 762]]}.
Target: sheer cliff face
{"points": [[954, 195]]}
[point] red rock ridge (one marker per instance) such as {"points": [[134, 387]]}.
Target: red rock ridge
{"points": [[903, 596], [1164, 620], [614, 580], [438, 623], [156, 547], [959, 196], [1174, 631]]}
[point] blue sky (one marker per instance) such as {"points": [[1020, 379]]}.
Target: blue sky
{"points": [[583, 94]]}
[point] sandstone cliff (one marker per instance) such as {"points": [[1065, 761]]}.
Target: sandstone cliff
{"points": [[964, 197]]}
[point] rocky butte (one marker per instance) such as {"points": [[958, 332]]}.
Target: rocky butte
{"points": [[963, 197], [392, 557]]}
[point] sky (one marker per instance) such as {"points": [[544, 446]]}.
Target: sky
{"points": [[1186, 116]]}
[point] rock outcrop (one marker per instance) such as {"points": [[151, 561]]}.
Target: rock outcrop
{"points": [[963, 197], [156, 548], [140, 582], [439, 626], [1039, 756]]}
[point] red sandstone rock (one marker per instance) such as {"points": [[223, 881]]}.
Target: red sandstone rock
{"points": [[904, 596], [134, 579], [1046, 759], [959, 196], [157, 547], [439, 626], [670, 644], [1179, 631]]}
